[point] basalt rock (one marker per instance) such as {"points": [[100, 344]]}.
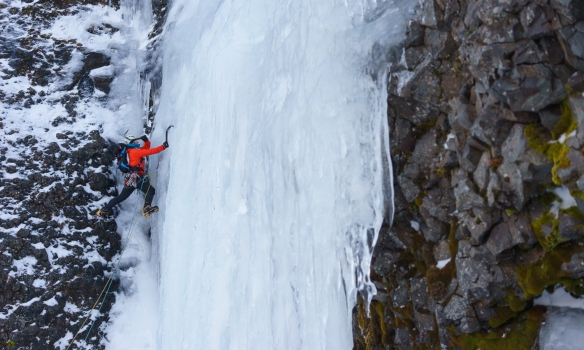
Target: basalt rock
{"points": [[487, 121]]}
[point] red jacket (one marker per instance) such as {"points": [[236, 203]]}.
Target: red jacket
{"points": [[136, 155]]}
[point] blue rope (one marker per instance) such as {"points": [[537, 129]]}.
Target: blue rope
{"points": [[111, 281]]}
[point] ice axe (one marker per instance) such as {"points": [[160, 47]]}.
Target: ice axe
{"points": [[171, 126]]}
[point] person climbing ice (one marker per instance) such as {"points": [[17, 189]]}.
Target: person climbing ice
{"points": [[131, 161]]}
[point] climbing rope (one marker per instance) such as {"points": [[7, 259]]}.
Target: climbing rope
{"points": [[108, 284]]}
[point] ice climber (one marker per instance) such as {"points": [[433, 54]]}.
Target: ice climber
{"points": [[131, 161]]}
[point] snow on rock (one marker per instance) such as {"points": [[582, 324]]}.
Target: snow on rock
{"points": [[442, 263], [51, 302], [564, 321], [67, 89], [562, 330]]}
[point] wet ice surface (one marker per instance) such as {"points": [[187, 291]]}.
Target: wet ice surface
{"points": [[272, 186]]}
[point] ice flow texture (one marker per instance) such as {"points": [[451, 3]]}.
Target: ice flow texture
{"points": [[273, 185]]}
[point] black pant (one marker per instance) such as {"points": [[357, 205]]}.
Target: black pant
{"points": [[143, 185]]}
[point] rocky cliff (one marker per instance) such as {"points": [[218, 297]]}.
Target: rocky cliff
{"points": [[486, 111], [56, 168]]}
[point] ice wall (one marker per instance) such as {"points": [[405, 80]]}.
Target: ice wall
{"points": [[272, 190]]}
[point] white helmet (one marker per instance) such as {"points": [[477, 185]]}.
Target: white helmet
{"points": [[128, 139]]}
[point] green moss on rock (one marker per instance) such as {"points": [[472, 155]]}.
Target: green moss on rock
{"points": [[551, 222], [556, 152], [547, 271], [507, 309], [9, 344], [373, 328], [567, 122], [521, 333]]}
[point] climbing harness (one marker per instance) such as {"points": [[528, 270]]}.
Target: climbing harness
{"points": [[131, 180]]}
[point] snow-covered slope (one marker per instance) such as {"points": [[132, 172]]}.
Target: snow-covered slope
{"points": [[69, 85]]}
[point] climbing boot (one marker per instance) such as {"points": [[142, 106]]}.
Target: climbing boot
{"points": [[103, 213], [149, 210]]}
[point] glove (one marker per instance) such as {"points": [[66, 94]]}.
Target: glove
{"points": [[144, 138], [165, 144]]}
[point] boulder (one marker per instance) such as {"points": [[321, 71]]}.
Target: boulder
{"points": [[500, 239], [415, 112], [93, 60], [103, 83], [425, 325], [473, 271], [490, 128], [538, 21], [529, 88], [466, 197], [408, 187], [415, 56], [491, 12], [471, 155], [400, 295], [440, 44], [432, 228], [402, 339], [550, 116], [461, 116], [402, 136], [442, 251], [570, 227], [469, 325], [481, 175], [457, 309], [420, 296], [506, 31], [576, 81], [478, 222], [435, 209], [489, 62], [577, 106], [572, 10], [518, 155], [415, 36], [85, 87], [423, 86], [384, 262], [576, 266], [431, 14], [573, 45], [426, 150], [520, 229]]}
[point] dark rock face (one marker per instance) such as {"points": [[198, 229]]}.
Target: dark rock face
{"points": [[34, 234], [55, 258], [488, 126]]}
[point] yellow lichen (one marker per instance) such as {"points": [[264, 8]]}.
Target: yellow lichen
{"points": [[547, 271], [556, 152], [552, 239]]}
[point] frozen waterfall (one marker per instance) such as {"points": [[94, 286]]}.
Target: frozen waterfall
{"points": [[272, 191]]}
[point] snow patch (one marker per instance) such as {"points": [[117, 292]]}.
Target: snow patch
{"points": [[566, 198], [23, 266], [415, 225], [559, 298], [39, 283], [442, 263]]}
